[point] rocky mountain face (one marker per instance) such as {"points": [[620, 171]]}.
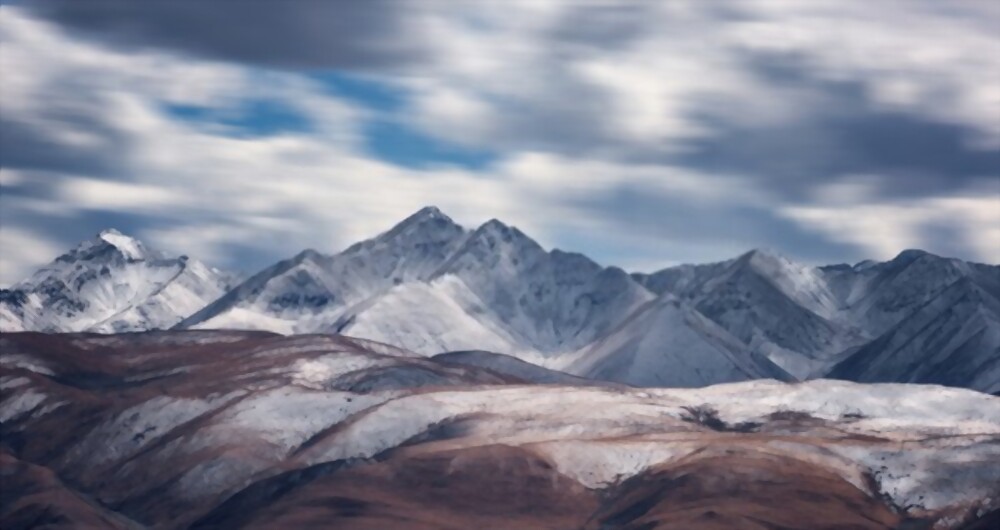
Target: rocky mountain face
{"points": [[917, 318], [431, 286], [952, 339], [250, 429], [668, 343], [778, 308]]}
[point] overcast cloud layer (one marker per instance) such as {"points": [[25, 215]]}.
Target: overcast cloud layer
{"points": [[642, 134]]}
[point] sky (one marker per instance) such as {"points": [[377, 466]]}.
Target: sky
{"points": [[643, 134]]}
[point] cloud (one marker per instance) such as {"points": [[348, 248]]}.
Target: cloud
{"points": [[969, 220], [22, 251], [313, 33], [119, 196], [792, 94], [628, 72], [638, 133]]}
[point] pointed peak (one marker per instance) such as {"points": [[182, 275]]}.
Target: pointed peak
{"points": [[495, 226], [763, 257], [427, 213], [864, 264], [109, 244], [911, 254], [424, 223], [766, 253], [109, 232], [308, 254], [494, 232], [130, 247], [504, 232]]}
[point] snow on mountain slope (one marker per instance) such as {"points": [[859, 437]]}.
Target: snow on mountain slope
{"points": [[804, 285], [499, 290], [779, 308], [549, 301], [953, 339], [879, 296], [427, 318], [429, 286], [310, 291], [808, 319], [272, 299], [222, 429], [110, 283], [667, 343]]}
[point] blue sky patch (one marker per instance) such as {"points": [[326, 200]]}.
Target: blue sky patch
{"points": [[402, 145], [370, 93], [263, 117]]}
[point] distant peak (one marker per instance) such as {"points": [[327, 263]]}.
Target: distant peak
{"points": [[911, 254], [864, 264], [764, 252], [425, 226], [496, 231], [429, 211], [763, 256], [426, 213], [426, 216], [771, 263], [308, 254], [129, 246], [109, 244], [108, 232], [497, 228], [495, 225]]}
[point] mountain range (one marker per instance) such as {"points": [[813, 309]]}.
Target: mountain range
{"points": [[432, 286]]}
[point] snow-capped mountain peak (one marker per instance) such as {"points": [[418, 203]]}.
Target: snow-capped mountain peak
{"points": [[802, 283], [426, 225], [312, 291], [109, 245], [111, 282], [495, 246], [128, 246], [910, 254], [309, 254]]}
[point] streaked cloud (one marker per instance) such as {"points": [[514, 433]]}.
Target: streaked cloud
{"points": [[23, 251], [635, 132]]}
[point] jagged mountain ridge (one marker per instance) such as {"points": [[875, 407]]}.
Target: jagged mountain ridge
{"points": [[779, 308], [413, 283], [430, 285], [810, 319], [310, 291]]}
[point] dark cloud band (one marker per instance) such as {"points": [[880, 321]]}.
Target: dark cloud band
{"points": [[366, 34]]}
